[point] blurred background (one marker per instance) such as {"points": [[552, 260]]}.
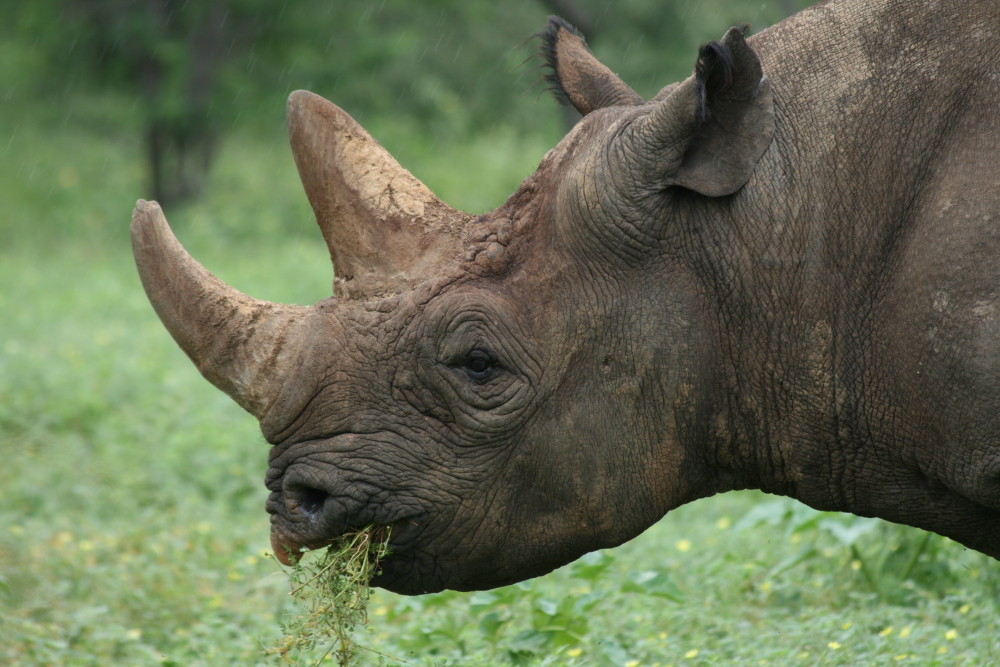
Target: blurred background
{"points": [[175, 89], [132, 528]]}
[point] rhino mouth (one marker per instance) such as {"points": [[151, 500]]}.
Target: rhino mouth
{"points": [[289, 549], [407, 569]]}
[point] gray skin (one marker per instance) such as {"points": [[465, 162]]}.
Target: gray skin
{"points": [[782, 274]]}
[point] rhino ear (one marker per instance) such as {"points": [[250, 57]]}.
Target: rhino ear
{"points": [[385, 229], [577, 77], [708, 133]]}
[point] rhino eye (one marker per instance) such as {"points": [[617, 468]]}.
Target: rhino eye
{"points": [[480, 365]]}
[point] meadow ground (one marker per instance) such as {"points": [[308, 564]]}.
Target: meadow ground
{"points": [[132, 528]]}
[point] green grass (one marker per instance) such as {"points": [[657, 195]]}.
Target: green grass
{"points": [[132, 528]]}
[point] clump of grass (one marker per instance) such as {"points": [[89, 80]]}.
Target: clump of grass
{"points": [[333, 587]]}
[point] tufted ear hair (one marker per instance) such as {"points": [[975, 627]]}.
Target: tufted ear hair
{"points": [[707, 133], [577, 77]]}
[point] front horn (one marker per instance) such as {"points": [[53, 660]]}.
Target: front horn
{"points": [[243, 346]]}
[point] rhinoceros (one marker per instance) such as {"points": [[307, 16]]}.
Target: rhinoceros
{"points": [[782, 273]]}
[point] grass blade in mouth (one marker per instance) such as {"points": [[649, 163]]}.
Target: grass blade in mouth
{"points": [[332, 588]]}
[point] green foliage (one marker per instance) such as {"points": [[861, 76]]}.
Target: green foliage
{"points": [[448, 70], [895, 563], [333, 590]]}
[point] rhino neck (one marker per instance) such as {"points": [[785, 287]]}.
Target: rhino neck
{"points": [[823, 270]]}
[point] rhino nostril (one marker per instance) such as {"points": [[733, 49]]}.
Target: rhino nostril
{"points": [[308, 500]]}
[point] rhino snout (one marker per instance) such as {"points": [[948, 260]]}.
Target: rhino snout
{"points": [[312, 505]]}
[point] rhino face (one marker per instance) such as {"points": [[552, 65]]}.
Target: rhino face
{"points": [[505, 392], [419, 433]]}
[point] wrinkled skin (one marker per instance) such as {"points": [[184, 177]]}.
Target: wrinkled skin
{"points": [[787, 283]]}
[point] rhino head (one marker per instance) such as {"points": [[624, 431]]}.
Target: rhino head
{"points": [[507, 391]]}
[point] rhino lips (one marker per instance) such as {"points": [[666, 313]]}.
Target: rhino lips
{"points": [[285, 550], [289, 551]]}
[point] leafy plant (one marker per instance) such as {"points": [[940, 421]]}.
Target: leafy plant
{"points": [[334, 590], [890, 558]]}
